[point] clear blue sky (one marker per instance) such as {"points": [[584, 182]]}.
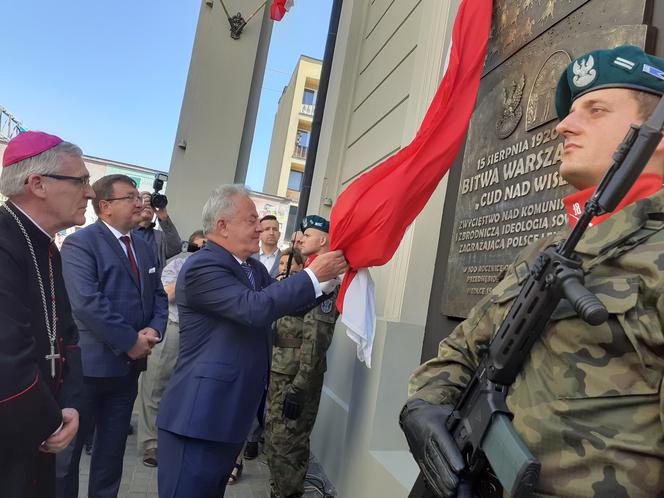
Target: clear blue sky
{"points": [[109, 76]]}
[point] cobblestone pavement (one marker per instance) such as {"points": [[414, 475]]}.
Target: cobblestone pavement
{"points": [[139, 481]]}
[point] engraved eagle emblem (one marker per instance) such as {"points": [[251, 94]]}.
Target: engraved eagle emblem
{"points": [[512, 111], [584, 72]]}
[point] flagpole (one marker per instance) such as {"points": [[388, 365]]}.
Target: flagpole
{"points": [[255, 11], [225, 9]]}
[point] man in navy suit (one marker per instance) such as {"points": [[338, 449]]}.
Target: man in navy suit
{"points": [[227, 302], [121, 311]]}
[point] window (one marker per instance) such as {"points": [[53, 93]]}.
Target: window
{"points": [[295, 180], [309, 97], [302, 138]]}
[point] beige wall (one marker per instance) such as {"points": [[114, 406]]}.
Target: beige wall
{"points": [[218, 109], [288, 120], [388, 63]]}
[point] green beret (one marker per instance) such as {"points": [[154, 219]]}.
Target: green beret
{"points": [[315, 221], [626, 66]]}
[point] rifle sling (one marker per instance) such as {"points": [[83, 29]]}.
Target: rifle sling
{"points": [[650, 228]]}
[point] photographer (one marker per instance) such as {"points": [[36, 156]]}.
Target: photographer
{"points": [[165, 242]]}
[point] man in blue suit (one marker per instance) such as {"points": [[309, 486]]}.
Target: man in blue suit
{"points": [[121, 311], [227, 302]]}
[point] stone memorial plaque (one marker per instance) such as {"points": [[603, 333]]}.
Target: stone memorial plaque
{"points": [[510, 192], [518, 22]]}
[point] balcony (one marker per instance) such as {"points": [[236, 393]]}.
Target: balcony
{"points": [[300, 152], [307, 109]]}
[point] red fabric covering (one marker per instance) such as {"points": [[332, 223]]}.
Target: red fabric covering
{"points": [[646, 185], [372, 214], [28, 144], [278, 9]]}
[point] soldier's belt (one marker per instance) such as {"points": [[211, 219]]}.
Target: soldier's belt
{"points": [[288, 342]]}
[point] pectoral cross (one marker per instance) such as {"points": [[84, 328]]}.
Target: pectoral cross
{"points": [[53, 356]]}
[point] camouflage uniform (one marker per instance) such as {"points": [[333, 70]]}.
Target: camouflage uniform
{"points": [[589, 401], [298, 363]]}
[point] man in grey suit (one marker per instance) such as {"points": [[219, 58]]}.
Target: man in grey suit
{"points": [[269, 253]]}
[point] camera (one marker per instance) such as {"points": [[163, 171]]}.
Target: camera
{"points": [[157, 200]]}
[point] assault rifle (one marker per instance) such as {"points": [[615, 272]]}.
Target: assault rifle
{"points": [[481, 422]]}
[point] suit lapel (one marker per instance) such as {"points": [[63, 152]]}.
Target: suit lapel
{"points": [[233, 264], [114, 244]]}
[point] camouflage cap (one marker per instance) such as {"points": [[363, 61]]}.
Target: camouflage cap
{"points": [[626, 66], [315, 221]]}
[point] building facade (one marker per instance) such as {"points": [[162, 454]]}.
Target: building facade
{"points": [[388, 62], [290, 134]]}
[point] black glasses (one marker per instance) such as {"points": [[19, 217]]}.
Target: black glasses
{"points": [[135, 198], [84, 181]]}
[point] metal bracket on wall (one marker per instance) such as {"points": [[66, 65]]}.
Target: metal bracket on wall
{"points": [[237, 22]]}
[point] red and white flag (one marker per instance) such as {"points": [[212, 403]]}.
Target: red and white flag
{"points": [[371, 216], [278, 8]]}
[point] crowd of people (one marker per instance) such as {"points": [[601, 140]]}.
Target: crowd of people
{"points": [[225, 345], [120, 317]]}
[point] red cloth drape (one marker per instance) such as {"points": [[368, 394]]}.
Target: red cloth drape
{"points": [[278, 9], [372, 214]]}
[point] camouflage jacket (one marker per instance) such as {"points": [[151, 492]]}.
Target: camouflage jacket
{"points": [[589, 401], [309, 337]]}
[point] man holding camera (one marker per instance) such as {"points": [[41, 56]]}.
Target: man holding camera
{"points": [[166, 242]]}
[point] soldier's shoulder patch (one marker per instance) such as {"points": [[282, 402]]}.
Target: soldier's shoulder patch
{"points": [[326, 306], [522, 271]]}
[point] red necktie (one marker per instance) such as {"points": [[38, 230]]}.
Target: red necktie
{"points": [[130, 254]]}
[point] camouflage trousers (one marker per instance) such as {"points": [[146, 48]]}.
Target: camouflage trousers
{"points": [[287, 441]]}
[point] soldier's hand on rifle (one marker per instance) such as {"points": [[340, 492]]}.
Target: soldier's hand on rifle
{"points": [[293, 404], [432, 445]]}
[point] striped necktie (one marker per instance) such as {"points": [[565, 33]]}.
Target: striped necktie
{"points": [[250, 274]]}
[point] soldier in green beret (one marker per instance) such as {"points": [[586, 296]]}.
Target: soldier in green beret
{"points": [[296, 379], [589, 402]]}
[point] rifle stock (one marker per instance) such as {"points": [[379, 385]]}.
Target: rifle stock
{"points": [[512, 462]]}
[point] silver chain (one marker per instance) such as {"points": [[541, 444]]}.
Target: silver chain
{"points": [[50, 330]]}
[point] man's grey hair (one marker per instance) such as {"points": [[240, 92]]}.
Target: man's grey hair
{"points": [[221, 204], [12, 179]]}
